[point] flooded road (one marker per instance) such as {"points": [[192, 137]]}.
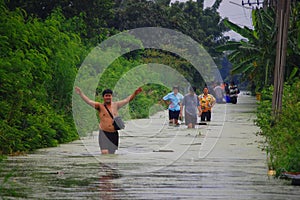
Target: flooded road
{"points": [[221, 160]]}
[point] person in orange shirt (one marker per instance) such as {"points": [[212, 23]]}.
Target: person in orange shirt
{"points": [[207, 101]]}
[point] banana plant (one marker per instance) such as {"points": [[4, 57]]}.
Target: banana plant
{"points": [[254, 56]]}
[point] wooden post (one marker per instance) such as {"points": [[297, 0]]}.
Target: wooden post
{"points": [[282, 22]]}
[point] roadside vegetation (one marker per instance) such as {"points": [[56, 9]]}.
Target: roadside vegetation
{"points": [[282, 138]]}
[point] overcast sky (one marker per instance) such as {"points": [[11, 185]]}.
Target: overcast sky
{"points": [[234, 11]]}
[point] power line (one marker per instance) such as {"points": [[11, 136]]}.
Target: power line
{"points": [[250, 3], [240, 5]]}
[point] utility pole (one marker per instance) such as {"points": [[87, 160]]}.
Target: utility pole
{"points": [[282, 23]]}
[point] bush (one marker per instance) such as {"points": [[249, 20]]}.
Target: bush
{"points": [[44, 128], [37, 69], [283, 133]]}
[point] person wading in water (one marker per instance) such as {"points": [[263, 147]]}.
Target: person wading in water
{"points": [[108, 135]]}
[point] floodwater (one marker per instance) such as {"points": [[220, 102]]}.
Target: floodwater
{"points": [[220, 160]]}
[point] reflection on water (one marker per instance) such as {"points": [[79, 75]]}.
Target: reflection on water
{"points": [[44, 177], [107, 187]]}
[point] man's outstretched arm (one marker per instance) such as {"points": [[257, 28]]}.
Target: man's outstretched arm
{"points": [[129, 98], [85, 98]]}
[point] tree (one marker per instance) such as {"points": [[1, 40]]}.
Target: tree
{"points": [[95, 14], [203, 25], [38, 63]]}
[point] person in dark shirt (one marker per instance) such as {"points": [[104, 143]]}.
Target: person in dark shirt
{"points": [[233, 92]]}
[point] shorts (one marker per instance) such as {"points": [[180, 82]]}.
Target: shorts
{"points": [[190, 119], [108, 140], [233, 99], [173, 114], [206, 115]]}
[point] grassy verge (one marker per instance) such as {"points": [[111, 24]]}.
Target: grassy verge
{"points": [[282, 135]]}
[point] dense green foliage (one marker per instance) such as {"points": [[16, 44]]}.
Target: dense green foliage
{"points": [[282, 135], [204, 25], [37, 72], [90, 19]]}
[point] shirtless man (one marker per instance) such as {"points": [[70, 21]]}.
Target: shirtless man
{"points": [[108, 136]]}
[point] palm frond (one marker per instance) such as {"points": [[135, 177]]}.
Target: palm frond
{"points": [[229, 46]]}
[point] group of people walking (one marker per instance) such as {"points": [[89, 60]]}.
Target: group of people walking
{"points": [[190, 104], [226, 93]]}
